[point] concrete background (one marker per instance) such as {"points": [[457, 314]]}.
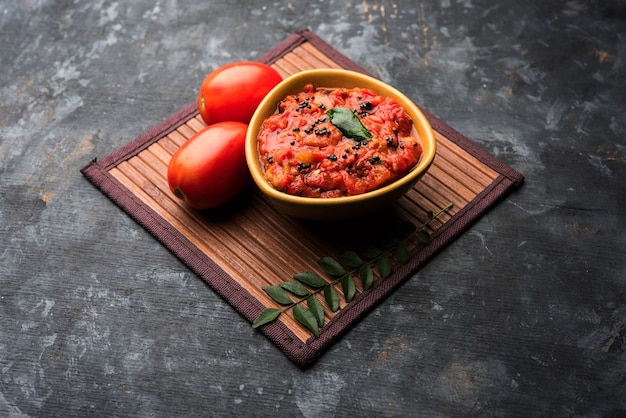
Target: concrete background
{"points": [[525, 314]]}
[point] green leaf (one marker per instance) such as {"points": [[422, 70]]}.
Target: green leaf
{"points": [[370, 252], [348, 287], [348, 123], [306, 318], [266, 316], [350, 259], [367, 276], [423, 236], [367, 263], [401, 253], [278, 294], [316, 309], [332, 298], [331, 266], [310, 278], [384, 266], [295, 287]]}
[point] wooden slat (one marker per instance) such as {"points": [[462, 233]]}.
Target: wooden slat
{"points": [[196, 123], [464, 162], [258, 246], [313, 55]]}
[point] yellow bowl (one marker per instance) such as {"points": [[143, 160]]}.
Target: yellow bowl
{"points": [[338, 208]]}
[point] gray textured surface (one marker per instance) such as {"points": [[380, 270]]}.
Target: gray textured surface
{"points": [[524, 314]]}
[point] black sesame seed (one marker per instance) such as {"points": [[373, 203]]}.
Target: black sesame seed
{"points": [[304, 166], [322, 131]]}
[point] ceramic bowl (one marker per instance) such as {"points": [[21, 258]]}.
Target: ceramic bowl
{"points": [[333, 209]]}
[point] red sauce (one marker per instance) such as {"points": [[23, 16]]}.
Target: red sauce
{"points": [[304, 154]]}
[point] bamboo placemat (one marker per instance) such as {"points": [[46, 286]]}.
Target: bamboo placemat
{"points": [[245, 245]]}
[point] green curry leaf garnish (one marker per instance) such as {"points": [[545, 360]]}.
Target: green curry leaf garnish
{"points": [[370, 263], [348, 123]]}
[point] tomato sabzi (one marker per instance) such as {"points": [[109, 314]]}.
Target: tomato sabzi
{"points": [[234, 91], [210, 168], [305, 154]]}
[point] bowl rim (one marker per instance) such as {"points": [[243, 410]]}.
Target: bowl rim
{"points": [[256, 169]]}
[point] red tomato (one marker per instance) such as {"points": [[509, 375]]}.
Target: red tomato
{"points": [[210, 168], [234, 91]]}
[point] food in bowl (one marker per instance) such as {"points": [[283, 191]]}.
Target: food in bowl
{"points": [[343, 207], [334, 142]]}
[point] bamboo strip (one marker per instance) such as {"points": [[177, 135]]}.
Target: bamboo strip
{"points": [[469, 163], [310, 50]]}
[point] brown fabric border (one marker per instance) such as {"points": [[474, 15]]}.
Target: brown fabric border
{"points": [[302, 354]]}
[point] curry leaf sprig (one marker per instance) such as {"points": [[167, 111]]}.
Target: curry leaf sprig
{"points": [[301, 293], [348, 123]]}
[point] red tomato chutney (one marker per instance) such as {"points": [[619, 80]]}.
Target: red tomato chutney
{"points": [[305, 154]]}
